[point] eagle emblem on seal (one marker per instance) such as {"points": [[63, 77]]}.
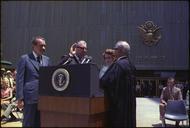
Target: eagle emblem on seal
{"points": [[60, 79], [150, 33]]}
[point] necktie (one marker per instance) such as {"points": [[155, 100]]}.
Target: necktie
{"points": [[171, 94], [39, 59]]}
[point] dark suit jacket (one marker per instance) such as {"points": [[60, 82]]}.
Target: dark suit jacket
{"points": [[67, 60], [27, 78]]}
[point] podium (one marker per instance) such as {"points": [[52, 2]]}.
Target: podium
{"points": [[69, 96]]}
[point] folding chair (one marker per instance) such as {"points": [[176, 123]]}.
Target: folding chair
{"points": [[19, 112], [176, 111]]}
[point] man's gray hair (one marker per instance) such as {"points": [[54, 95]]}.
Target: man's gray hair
{"points": [[124, 46], [82, 43]]}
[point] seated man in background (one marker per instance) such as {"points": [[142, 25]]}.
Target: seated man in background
{"points": [[170, 92]]}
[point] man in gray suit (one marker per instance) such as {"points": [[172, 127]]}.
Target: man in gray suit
{"points": [[27, 81]]}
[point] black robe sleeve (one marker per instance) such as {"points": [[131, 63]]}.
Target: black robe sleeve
{"points": [[119, 88]]}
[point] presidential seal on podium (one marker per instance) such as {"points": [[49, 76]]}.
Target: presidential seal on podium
{"points": [[60, 79]]}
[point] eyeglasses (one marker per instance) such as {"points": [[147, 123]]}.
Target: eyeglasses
{"points": [[83, 48], [116, 48], [107, 58]]}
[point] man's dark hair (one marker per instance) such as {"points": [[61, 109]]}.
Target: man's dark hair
{"points": [[171, 78], [35, 38]]}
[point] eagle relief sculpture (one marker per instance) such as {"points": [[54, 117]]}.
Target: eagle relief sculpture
{"points": [[150, 33]]}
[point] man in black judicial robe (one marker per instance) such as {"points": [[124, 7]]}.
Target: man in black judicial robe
{"points": [[119, 89]]}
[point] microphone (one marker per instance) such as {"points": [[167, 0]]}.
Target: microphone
{"points": [[83, 60], [68, 61], [86, 59]]}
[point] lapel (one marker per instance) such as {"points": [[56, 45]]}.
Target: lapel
{"points": [[76, 58], [33, 61]]}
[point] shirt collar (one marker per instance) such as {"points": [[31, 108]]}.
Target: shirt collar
{"points": [[35, 55], [122, 57]]}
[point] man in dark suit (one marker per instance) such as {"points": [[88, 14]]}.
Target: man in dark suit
{"points": [[27, 81], [119, 84], [77, 54]]}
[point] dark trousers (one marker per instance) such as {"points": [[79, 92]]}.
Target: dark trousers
{"points": [[31, 115]]}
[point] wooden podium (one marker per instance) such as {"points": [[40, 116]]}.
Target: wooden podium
{"points": [[81, 104]]}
